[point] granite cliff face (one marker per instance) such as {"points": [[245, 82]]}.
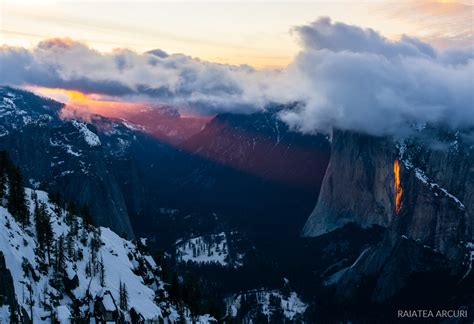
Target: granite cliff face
{"points": [[358, 185], [429, 231]]}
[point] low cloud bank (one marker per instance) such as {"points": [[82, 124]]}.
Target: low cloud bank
{"points": [[344, 76]]}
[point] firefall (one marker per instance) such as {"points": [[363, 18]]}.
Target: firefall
{"points": [[397, 186]]}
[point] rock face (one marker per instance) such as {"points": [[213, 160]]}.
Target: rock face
{"points": [[358, 185], [439, 181], [432, 230], [7, 289]]}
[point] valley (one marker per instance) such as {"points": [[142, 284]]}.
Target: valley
{"points": [[247, 219]]}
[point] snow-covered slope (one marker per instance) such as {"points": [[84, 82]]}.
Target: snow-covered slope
{"points": [[85, 273], [273, 305], [212, 249], [208, 249]]}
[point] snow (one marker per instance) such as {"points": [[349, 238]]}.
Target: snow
{"points": [[132, 127], [4, 314], [420, 175], [108, 303], [291, 305], [12, 115], [423, 178], [203, 319], [204, 250], [115, 257], [150, 261], [90, 137], [71, 151], [118, 256], [63, 314], [68, 148]]}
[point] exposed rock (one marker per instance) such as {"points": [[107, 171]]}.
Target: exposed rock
{"points": [[358, 185], [429, 235], [7, 289]]}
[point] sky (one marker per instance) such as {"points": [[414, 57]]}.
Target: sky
{"points": [[233, 32], [379, 67]]}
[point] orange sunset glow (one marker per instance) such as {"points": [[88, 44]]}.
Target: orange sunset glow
{"points": [[80, 103], [168, 128]]}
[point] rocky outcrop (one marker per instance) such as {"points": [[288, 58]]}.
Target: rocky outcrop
{"points": [[7, 289], [431, 231], [358, 185]]}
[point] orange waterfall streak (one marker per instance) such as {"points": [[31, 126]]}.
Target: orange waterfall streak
{"points": [[397, 186]]}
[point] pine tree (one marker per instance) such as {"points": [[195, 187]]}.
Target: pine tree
{"points": [[3, 184], [56, 200], [175, 289], [123, 296], [38, 220], [86, 215], [102, 272], [47, 230], [70, 245], [16, 204], [95, 244], [44, 230], [60, 257]]}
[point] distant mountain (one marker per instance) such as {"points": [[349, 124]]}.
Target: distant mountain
{"points": [[252, 164], [124, 171], [262, 145], [164, 123]]}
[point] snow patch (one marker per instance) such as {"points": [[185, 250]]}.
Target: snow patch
{"points": [[90, 137], [204, 249], [420, 175], [268, 301]]}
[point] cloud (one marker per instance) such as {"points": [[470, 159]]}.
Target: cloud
{"points": [[337, 37], [151, 76], [353, 78], [158, 52], [344, 76]]}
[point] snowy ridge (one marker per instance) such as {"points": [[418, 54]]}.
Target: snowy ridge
{"points": [[14, 113], [91, 138], [95, 263], [8, 107]]}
